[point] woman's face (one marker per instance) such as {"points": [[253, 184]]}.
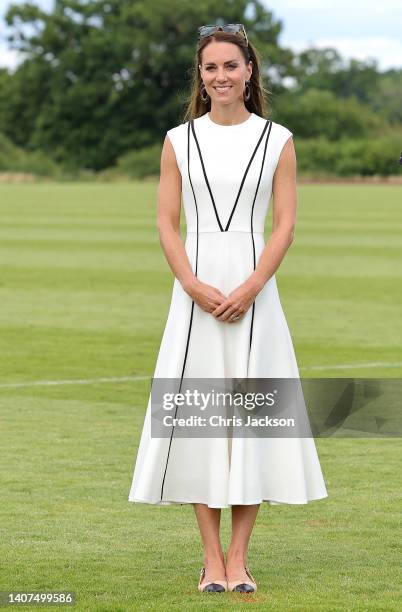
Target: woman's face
{"points": [[224, 72]]}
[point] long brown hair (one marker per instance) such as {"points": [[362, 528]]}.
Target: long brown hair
{"points": [[257, 102]]}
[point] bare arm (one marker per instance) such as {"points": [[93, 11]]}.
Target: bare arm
{"points": [[168, 222], [284, 219], [168, 217]]}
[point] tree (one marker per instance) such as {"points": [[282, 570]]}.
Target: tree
{"points": [[107, 76], [326, 69], [319, 113]]}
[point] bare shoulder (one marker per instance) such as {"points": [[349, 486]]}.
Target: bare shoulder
{"points": [[287, 161], [174, 146], [285, 175], [168, 157], [288, 153], [167, 148]]}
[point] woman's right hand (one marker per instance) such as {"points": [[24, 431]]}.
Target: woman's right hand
{"points": [[206, 296]]}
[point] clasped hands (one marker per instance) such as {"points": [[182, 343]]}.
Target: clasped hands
{"points": [[229, 308]]}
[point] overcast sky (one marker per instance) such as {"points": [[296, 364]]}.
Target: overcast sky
{"points": [[361, 29]]}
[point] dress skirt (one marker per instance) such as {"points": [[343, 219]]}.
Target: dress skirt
{"points": [[222, 472]]}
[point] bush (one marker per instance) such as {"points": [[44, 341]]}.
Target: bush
{"points": [[141, 162], [347, 157], [315, 157], [15, 159]]}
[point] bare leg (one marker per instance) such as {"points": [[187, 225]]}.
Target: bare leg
{"points": [[209, 523], [243, 519]]}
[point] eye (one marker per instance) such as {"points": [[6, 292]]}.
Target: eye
{"points": [[231, 66]]}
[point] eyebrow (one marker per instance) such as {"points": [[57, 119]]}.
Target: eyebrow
{"points": [[213, 63]]}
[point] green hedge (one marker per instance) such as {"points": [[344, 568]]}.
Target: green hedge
{"points": [[141, 162], [15, 159], [346, 157]]}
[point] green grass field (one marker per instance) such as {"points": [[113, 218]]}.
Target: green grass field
{"points": [[85, 292]]}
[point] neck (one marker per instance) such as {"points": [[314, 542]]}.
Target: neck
{"points": [[226, 115]]}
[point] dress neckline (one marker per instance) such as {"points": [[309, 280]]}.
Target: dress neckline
{"points": [[234, 125]]}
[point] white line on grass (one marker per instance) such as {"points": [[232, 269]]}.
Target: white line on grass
{"points": [[94, 381], [351, 366], [77, 381]]}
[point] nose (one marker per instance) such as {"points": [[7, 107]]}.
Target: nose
{"points": [[221, 77]]}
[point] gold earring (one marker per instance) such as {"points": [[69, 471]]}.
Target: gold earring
{"points": [[203, 94], [247, 91]]}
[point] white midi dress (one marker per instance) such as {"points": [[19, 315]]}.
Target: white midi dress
{"points": [[227, 174]]}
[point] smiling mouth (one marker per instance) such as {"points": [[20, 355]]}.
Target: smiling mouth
{"points": [[222, 88]]}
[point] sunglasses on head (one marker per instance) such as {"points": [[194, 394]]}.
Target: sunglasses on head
{"points": [[230, 28]]}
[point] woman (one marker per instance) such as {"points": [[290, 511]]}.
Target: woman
{"points": [[225, 318]]}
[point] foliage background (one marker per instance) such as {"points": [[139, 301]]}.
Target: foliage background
{"points": [[102, 81]]}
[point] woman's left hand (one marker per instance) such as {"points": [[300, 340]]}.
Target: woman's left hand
{"points": [[237, 302]]}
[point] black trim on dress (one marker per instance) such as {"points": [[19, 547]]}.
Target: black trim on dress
{"points": [[191, 124], [252, 234], [243, 179], [192, 304]]}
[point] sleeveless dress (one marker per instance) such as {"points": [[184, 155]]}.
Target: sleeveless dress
{"points": [[227, 174]]}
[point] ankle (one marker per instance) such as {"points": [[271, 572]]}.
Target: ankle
{"points": [[214, 557], [236, 557]]}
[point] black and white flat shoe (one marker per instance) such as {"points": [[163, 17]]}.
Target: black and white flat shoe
{"points": [[240, 586], [215, 586]]}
